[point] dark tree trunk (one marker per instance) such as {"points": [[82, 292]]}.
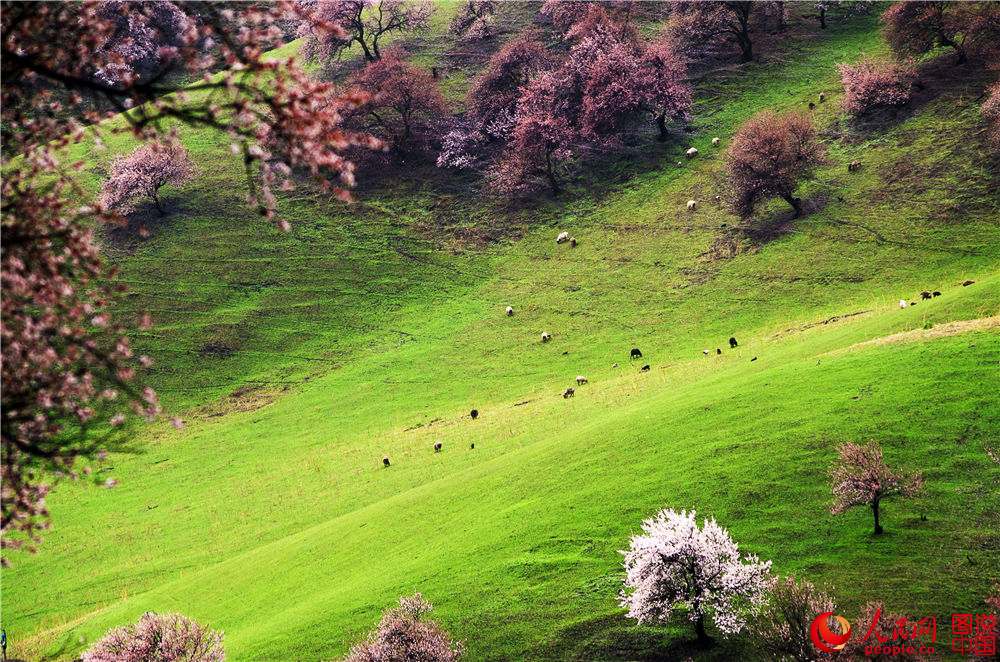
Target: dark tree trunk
{"points": [[156, 201], [796, 204], [661, 124], [822, 19], [875, 513], [551, 175], [699, 628]]}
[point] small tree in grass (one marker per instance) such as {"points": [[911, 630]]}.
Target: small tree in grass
{"points": [[404, 635], [871, 84], [675, 565], [159, 637], [782, 630], [768, 157], [143, 173], [862, 478]]}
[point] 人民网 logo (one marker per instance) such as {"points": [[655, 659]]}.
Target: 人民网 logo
{"points": [[826, 639]]}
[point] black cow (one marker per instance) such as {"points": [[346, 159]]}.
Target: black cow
{"points": [[635, 353], [733, 343], [385, 461], [474, 414]]}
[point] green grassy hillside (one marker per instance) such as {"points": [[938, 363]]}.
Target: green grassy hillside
{"points": [[297, 361]]}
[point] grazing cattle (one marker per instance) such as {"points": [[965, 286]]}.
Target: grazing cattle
{"points": [[645, 368], [733, 343], [472, 446], [562, 237], [635, 353], [902, 303], [967, 283], [691, 153], [715, 142], [572, 242], [437, 447], [385, 461], [854, 166], [718, 350], [546, 336], [925, 295], [935, 293], [568, 393], [510, 311], [580, 380], [692, 205], [474, 414]]}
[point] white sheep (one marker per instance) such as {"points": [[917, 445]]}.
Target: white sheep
{"points": [[902, 303], [715, 142], [563, 237], [705, 352], [691, 153], [510, 311], [580, 380], [546, 336], [692, 205], [680, 164]]}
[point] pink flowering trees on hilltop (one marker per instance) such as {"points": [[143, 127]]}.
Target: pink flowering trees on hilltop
{"points": [[768, 157], [405, 634], [677, 566], [67, 368], [143, 173], [362, 22], [862, 478], [872, 84], [404, 109], [159, 637]]}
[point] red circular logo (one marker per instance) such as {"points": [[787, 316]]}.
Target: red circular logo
{"points": [[826, 639]]}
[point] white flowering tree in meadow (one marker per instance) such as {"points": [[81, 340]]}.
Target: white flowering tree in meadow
{"points": [[676, 566]]}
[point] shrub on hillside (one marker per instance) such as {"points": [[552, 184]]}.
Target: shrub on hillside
{"points": [[872, 84], [677, 566], [782, 630], [404, 635], [768, 157], [143, 173], [991, 111], [862, 478], [159, 637]]}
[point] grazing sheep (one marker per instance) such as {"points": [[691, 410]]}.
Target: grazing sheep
{"points": [[474, 414], [715, 142], [822, 97], [718, 198], [691, 153], [692, 205], [812, 106], [562, 237], [925, 295], [935, 293], [568, 393], [635, 353], [437, 447], [902, 303], [614, 365], [718, 350], [644, 368], [572, 242], [733, 343], [385, 461], [967, 283], [580, 380], [510, 311], [680, 164], [705, 352], [854, 166], [546, 336]]}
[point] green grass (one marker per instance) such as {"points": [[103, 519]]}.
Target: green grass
{"points": [[374, 329]]}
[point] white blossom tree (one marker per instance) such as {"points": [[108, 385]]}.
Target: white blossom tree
{"points": [[675, 565]]}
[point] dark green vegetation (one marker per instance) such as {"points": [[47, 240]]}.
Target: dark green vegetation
{"points": [[298, 361]]}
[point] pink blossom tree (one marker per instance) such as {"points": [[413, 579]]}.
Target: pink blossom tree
{"points": [[915, 28], [703, 28], [143, 173], [782, 629], [862, 478], [145, 33], [768, 157], [405, 634], [494, 95], [991, 113], [68, 371], [404, 109], [362, 22], [675, 565], [160, 637], [476, 20], [871, 84]]}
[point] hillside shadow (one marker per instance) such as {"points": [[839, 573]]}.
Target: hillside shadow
{"points": [[144, 223]]}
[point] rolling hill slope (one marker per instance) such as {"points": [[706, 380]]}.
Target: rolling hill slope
{"points": [[298, 361]]}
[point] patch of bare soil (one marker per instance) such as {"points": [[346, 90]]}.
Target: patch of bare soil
{"points": [[243, 399], [936, 331]]}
